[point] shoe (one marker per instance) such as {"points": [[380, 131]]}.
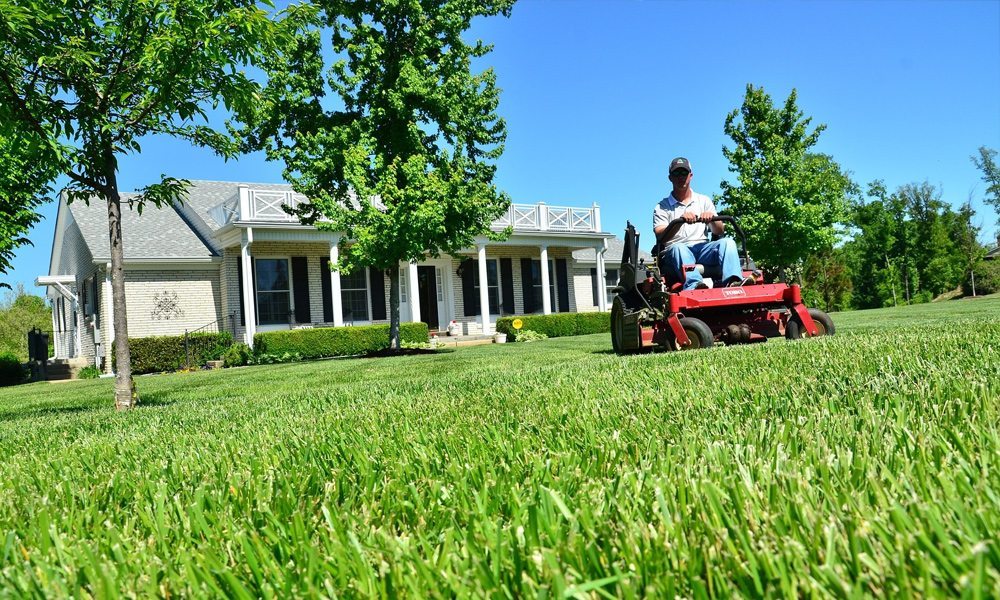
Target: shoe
{"points": [[741, 281], [702, 286]]}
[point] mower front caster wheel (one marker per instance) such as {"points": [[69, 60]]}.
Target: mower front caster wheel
{"points": [[795, 330], [699, 334]]}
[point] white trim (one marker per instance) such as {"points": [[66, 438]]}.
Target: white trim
{"points": [[207, 263]]}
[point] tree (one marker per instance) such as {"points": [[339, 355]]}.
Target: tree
{"points": [[405, 167], [828, 280], [788, 200], [90, 78], [991, 176], [27, 166], [19, 313]]}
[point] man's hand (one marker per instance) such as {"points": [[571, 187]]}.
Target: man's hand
{"points": [[705, 216], [689, 217]]}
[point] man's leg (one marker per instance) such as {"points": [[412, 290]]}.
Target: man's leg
{"points": [[675, 258], [721, 253]]}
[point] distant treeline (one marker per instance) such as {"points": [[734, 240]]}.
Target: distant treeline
{"points": [[906, 247]]}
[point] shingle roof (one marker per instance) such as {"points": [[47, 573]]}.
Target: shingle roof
{"points": [[156, 233], [612, 256]]}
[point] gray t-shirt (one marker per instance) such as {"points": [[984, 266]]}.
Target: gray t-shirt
{"points": [[689, 234]]}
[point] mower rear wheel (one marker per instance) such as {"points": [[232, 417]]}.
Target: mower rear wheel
{"points": [[795, 330], [617, 325], [698, 333]]}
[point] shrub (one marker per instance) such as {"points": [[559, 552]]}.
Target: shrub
{"points": [[237, 355], [335, 341], [558, 325], [271, 359], [527, 335], [12, 371], [88, 372], [167, 352]]}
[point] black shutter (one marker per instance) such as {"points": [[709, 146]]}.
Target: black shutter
{"points": [[97, 302], [377, 280], [300, 283], [562, 276], [324, 278], [507, 284], [83, 297], [239, 282], [470, 297], [527, 281], [593, 283]]}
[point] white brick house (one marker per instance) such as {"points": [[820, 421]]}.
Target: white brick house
{"points": [[230, 259]]}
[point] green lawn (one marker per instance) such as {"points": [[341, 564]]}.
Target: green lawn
{"points": [[863, 464]]}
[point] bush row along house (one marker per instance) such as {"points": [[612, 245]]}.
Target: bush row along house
{"points": [[229, 258]]}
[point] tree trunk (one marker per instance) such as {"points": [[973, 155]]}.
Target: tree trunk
{"points": [[125, 394], [394, 307]]}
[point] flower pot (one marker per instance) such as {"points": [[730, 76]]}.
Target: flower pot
{"points": [[500, 338]]}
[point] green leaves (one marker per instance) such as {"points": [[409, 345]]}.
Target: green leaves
{"points": [[27, 168], [788, 199]]}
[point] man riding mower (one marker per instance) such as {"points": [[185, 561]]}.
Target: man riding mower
{"points": [[652, 310]]}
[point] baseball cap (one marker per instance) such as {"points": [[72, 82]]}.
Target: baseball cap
{"points": [[680, 163]]}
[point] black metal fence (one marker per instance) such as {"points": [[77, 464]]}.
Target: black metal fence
{"points": [[201, 346], [38, 353]]}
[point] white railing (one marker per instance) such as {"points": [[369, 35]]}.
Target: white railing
{"points": [[541, 217], [266, 205]]}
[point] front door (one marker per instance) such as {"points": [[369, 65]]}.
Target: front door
{"points": [[427, 290]]}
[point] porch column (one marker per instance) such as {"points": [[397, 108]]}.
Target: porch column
{"points": [[336, 298], [413, 293], [55, 330], [109, 324], [77, 324], [602, 294], [249, 302], [546, 301], [484, 292]]}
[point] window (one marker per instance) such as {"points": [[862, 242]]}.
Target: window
{"points": [[610, 283], [536, 283], [492, 284], [273, 291], [354, 295]]}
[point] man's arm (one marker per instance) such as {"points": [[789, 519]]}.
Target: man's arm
{"points": [[663, 232], [718, 227]]}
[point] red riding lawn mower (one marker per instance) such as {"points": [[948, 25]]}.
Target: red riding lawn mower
{"points": [[650, 311]]}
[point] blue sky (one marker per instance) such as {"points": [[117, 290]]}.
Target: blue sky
{"points": [[600, 95]]}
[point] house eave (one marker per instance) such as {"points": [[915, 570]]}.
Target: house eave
{"points": [[157, 262]]}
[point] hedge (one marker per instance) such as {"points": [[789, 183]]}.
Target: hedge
{"points": [[558, 325], [166, 353], [335, 341], [12, 372]]}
